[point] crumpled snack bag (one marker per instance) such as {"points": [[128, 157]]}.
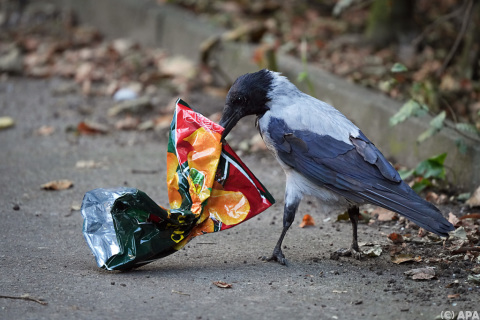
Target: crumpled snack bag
{"points": [[209, 190]]}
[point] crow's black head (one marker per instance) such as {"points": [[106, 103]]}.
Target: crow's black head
{"points": [[247, 96]]}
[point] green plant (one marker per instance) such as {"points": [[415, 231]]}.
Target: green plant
{"points": [[426, 172], [414, 107]]}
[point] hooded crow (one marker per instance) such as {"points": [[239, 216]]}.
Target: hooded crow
{"points": [[323, 154]]}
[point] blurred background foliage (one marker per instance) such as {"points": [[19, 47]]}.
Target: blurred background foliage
{"points": [[437, 42]]}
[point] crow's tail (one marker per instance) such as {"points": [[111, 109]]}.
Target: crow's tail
{"points": [[403, 200]]}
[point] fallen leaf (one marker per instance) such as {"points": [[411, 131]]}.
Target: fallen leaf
{"points": [[307, 221], [453, 219], [395, 237], [401, 258], [474, 200], [374, 251], [453, 296], [432, 197], [421, 273], [476, 269], [459, 234], [422, 232], [6, 122], [222, 284], [474, 278], [89, 127], [384, 214], [57, 185]]}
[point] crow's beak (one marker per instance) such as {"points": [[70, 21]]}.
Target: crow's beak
{"points": [[229, 119]]}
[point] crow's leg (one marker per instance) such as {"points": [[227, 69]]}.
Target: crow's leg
{"points": [[353, 214], [291, 206]]}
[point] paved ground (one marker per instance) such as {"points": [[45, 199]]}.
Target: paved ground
{"points": [[43, 253]]}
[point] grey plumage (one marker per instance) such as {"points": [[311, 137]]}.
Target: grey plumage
{"points": [[323, 154]]}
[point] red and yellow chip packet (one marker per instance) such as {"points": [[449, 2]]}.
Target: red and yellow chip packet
{"points": [[209, 189]]}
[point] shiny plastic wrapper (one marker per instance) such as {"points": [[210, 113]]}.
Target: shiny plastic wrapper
{"points": [[209, 189]]}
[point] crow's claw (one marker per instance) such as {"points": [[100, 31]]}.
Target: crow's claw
{"points": [[344, 252], [276, 256]]}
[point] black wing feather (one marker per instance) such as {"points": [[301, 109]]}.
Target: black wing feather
{"points": [[359, 172]]}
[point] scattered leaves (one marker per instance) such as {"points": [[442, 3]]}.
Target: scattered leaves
{"points": [[57, 185], [222, 284], [410, 109], [384, 214], [421, 273], [475, 278], [396, 238], [458, 234], [307, 221], [436, 124], [374, 251], [406, 257], [453, 219]]}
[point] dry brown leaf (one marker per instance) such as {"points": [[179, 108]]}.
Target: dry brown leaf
{"points": [[474, 200], [395, 237], [421, 273], [222, 284], [384, 214], [453, 219], [88, 127], [453, 296], [401, 258], [307, 221], [57, 185], [422, 232]]}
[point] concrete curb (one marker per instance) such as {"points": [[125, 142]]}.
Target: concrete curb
{"points": [[181, 33]]}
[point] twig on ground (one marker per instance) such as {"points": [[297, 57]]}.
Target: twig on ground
{"points": [[25, 297]]}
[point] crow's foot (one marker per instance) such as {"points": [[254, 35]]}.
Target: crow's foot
{"points": [[276, 256], [344, 252]]}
